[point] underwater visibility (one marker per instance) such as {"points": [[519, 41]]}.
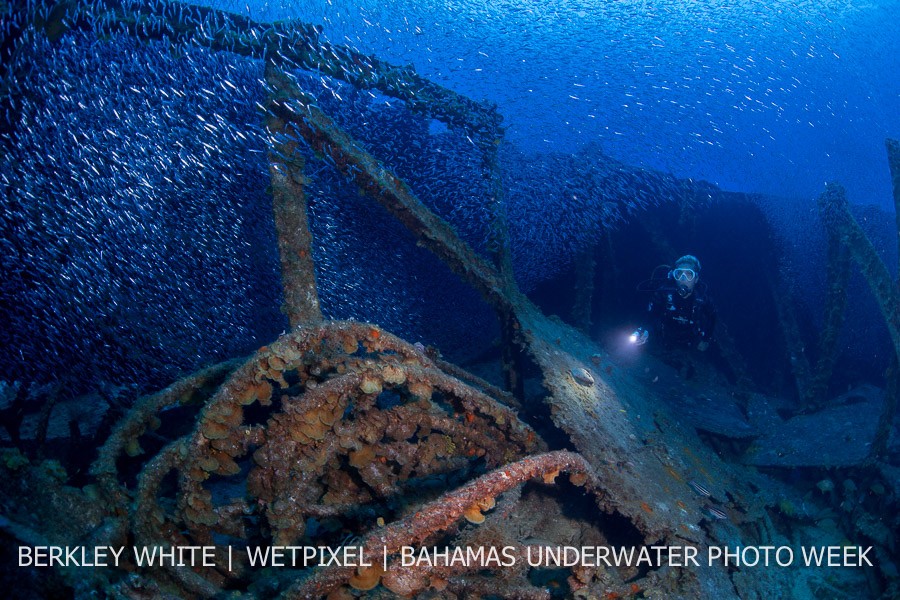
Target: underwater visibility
{"points": [[354, 299]]}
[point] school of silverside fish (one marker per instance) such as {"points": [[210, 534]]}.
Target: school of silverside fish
{"points": [[138, 215]]}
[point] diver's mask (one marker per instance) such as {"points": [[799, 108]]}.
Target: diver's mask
{"points": [[684, 277], [684, 274]]}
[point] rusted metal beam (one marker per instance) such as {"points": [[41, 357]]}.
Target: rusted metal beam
{"points": [[838, 276], [511, 356], [886, 418], [836, 214], [893, 152], [290, 44], [841, 225], [499, 241], [367, 172], [298, 272]]}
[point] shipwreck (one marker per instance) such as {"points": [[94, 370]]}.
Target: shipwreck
{"points": [[340, 433]]}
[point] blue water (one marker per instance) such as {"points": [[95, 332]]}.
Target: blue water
{"points": [[771, 97]]}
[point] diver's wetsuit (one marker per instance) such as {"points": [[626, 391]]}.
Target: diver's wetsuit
{"points": [[682, 321]]}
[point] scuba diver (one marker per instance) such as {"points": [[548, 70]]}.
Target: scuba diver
{"points": [[682, 312]]}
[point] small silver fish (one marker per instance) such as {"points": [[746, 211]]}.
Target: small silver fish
{"points": [[699, 489], [715, 513]]}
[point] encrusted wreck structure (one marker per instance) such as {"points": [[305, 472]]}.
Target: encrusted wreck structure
{"points": [[339, 429]]}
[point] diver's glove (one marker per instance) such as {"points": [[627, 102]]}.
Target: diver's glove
{"points": [[703, 345], [640, 336]]}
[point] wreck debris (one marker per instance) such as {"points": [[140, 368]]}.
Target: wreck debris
{"points": [[849, 419], [149, 525], [332, 411], [143, 415], [440, 514], [354, 419], [501, 396]]}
